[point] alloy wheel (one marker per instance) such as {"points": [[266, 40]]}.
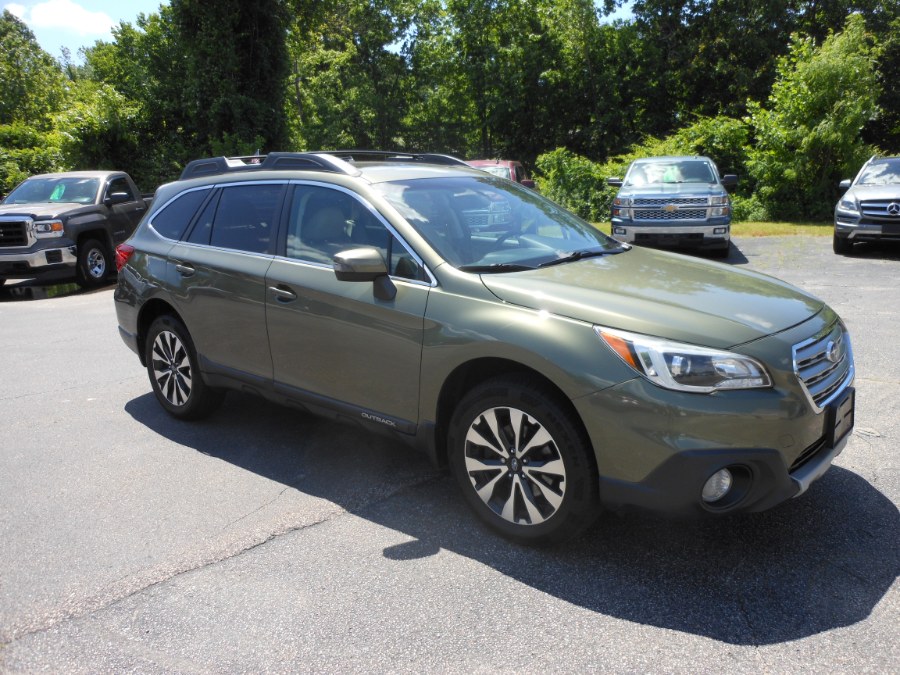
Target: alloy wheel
{"points": [[172, 368], [515, 466]]}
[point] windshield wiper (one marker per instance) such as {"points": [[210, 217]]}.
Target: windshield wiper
{"points": [[581, 255], [495, 267]]}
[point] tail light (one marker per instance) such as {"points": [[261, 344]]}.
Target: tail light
{"points": [[123, 254]]}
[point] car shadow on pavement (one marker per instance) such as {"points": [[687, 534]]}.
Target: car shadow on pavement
{"points": [[811, 565]]}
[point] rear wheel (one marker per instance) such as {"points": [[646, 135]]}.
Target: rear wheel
{"points": [[842, 245], [523, 461], [174, 375], [93, 264]]}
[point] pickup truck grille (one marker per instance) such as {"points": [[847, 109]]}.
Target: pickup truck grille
{"points": [[824, 364], [676, 214], [13, 233], [682, 201]]}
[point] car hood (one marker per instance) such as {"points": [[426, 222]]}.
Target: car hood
{"points": [[662, 294], [39, 210], [672, 189], [864, 192]]}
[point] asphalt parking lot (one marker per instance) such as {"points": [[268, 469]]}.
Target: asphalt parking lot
{"points": [[263, 539]]}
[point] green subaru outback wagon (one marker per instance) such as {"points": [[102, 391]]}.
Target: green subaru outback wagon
{"points": [[554, 370]]}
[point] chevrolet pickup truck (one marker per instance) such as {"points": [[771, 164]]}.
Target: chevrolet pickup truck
{"points": [[674, 201], [64, 226]]}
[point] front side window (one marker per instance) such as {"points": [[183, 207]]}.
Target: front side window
{"points": [[246, 217], [120, 185], [324, 222], [482, 224]]}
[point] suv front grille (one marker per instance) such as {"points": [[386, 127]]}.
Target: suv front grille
{"points": [[877, 209], [13, 233], [824, 364]]}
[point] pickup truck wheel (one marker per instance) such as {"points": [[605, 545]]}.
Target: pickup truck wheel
{"points": [[523, 463], [93, 266], [172, 367], [842, 245]]}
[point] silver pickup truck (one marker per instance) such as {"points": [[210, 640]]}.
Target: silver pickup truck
{"points": [[674, 201], [65, 226]]}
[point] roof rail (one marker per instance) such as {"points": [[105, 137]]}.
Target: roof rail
{"points": [[274, 161], [395, 156]]}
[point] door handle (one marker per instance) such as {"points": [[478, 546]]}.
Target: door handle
{"points": [[185, 270], [283, 294]]}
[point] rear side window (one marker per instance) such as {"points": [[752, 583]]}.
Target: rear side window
{"points": [[173, 219], [246, 217]]}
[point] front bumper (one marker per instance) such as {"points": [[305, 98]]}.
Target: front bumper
{"points": [[711, 235], [655, 449], [55, 259], [856, 229]]}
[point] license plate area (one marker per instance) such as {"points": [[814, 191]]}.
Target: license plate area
{"points": [[841, 415]]}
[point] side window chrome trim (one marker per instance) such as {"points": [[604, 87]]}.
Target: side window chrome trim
{"points": [[432, 282]]}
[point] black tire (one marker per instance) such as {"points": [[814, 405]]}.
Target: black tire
{"points": [[841, 245], [94, 263], [174, 375], [721, 253], [513, 493]]}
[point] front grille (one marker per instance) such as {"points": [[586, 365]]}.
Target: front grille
{"points": [[879, 210], [13, 233], [659, 214], [824, 364], [681, 201]]}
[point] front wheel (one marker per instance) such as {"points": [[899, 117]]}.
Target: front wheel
{"points": [[92, 266], [523, 461], [842, 245], [174, 375]]}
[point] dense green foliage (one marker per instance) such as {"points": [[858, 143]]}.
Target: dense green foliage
{"points": [[790, 95]]}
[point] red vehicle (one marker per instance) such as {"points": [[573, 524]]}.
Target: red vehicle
{"points": [[505, 168]]}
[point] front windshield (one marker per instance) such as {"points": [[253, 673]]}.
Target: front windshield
{"points": [[675, 171], [55, 190], [881, 173], [488, 225]]}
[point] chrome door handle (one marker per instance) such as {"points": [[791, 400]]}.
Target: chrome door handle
{"points": [[283, 294], [185, 270]]}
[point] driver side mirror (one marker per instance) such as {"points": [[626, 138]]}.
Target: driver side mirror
{"points": [[365, 264], [117, 198]]}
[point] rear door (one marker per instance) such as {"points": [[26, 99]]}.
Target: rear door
{"points": [[334, 343], [217, 274]]}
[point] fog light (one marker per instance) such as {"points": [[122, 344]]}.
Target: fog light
{"points": [[619, 230], [717, 486], [720, 230]]}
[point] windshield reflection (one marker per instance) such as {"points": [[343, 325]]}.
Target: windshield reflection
{"points": [[482, 224]]}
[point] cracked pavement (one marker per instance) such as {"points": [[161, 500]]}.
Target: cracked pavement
{"points": [[268, 540]]}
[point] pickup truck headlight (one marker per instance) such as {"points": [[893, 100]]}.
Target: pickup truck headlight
{"points": [[621, 207], [685, 367], [45, 229], [721, 206]]}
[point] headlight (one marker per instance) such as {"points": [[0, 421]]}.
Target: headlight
{"points": [[718, 200], [848, 205], [44, 229], [622, 201], [684, 367]]}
